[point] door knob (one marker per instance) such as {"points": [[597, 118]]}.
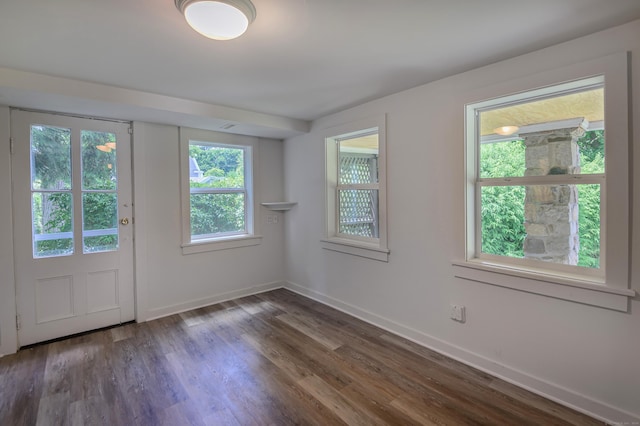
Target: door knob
{"points": [[124, 221]]}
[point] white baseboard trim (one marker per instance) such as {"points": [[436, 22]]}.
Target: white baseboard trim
{"points": [[8, 339], [569, 398], [8, 350], [8, 336], [211, 300]]}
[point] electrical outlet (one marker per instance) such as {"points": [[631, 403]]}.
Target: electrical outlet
{"points": [[458, 313], [276, 218]]}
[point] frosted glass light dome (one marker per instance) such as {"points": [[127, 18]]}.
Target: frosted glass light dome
{"points": [[218, 20]]}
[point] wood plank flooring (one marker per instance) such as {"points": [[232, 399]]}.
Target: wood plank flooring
{"points": [[272, 359]]}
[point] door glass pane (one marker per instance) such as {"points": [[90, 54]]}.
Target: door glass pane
{"points": [[98, 160], [100, 222], [216, 214], [52, 217], [50, 158], [99, 209]]}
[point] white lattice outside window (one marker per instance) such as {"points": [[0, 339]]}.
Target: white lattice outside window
{"points": [[358, 193]]}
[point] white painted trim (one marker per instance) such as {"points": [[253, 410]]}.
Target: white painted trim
{"points": [[8, 332], [543, 127], [221, 244], [279, 205], [250, 145], [544, 388], [596, 178], [573, 123], [572, 288], [355, 150], [356, 249], [376, 124], [139, 146], [615, 234], [212, 300], [146, 106]]}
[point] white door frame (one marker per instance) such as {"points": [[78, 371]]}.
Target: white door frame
{"points": [[8, 331]]}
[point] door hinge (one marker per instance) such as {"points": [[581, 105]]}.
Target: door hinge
{"points": [[130, 130], [18, 322], [11, 145]]}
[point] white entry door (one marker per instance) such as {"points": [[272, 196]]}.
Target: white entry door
{"points": [[73, 236]]}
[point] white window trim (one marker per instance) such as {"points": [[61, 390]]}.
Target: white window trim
{"points": [[562, 89], [227, 240], [611, 290], [371, 248]]}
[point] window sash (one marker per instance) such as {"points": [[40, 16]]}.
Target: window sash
{"points": [[544, 180], [568, 179], [376, 213], [358, 186], [374, 186], [201, 237], [218, 191], [477, 182], [221, 191]]}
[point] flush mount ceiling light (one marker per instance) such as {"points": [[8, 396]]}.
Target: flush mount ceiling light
{"points": [[218, 20], [506, 130]]}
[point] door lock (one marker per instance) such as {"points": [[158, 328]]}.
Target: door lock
{"points": [[124, 221]]}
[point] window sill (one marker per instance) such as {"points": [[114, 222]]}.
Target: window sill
{"points": [[221, 244], [558, 286], [357, 249]]}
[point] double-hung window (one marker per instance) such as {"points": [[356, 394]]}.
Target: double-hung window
{"points": [[217, 191], [355, 175], [541, 178], [547, 188]]}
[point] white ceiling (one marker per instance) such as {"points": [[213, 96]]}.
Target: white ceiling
{"points": [[299, 60]]}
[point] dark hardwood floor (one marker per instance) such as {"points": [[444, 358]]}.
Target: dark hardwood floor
{"points": [[272, 359]]}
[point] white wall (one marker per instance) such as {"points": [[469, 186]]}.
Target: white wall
{"points": [[7, 287], [585, 356], [168, 281]]}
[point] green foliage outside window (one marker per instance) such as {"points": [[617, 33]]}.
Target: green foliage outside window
{"points": [[100, 209], [503, 230], [218, 213], [592, 161], [51, 171]]}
